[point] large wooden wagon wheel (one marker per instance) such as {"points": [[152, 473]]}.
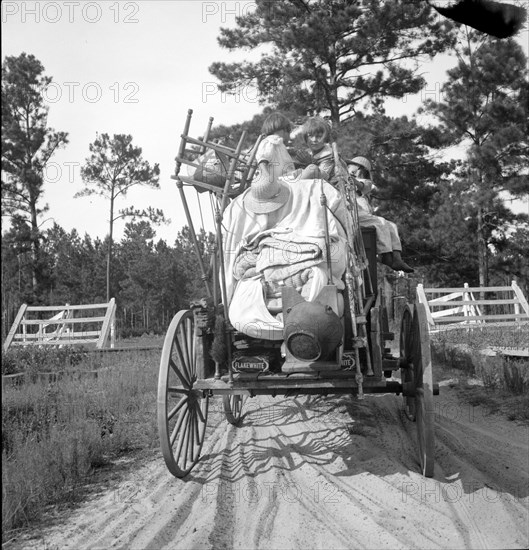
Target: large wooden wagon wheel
{"points": [[417, 375], [406, 363], [233, 408], [182, 411]]}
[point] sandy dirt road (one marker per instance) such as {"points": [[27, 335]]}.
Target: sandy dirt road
{"points": [[315, 472]]}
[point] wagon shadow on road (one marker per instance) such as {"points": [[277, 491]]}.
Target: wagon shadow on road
{"points": [[340, 434], [345, 437]]}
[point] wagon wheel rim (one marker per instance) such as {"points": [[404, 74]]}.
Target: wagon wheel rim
{"points": [[406, 359], [233, 405], [423, 375], [182, 410]]}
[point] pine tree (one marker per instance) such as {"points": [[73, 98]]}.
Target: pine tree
{"points": [[27, 146], [188, 267], [329, 55], [115, 166], [484, 109]]}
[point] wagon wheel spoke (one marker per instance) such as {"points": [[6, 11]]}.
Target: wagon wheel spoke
{"points": [[200, 415], [178, 425], [192, 425], [182, 350], [179, 405], [189, 433], [191, 348], [185, 381], [197, 432], [181, 368], [182, 439], [188, 346], [177, 389]]}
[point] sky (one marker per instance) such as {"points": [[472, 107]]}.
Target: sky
{"points": [[136, 67]]}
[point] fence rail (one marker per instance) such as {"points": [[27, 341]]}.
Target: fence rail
{"points": [[31, 327], [451, 308]]}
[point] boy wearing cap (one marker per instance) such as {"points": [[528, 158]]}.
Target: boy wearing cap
{"points": [[389, 246]]}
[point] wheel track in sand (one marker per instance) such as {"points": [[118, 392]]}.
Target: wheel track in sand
{"points": [[324, 473]]}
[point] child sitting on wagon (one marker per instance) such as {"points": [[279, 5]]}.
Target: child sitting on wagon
{"points": [[388, 241], [277, 129], [317, 134]]}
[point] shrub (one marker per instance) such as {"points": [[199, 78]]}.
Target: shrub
{"points": [[34, 359], [479, 338], [515, 376], [462, 350]]}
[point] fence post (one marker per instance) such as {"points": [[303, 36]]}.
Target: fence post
{"points": [[466, 298], [421, 295], [113, 328], [521, 298], [14, 326], [105, 329]]}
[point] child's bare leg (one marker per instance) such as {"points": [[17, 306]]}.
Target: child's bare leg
{"points": [[398, 263]]}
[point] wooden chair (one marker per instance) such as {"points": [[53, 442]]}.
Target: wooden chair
{"points": [[235, 167]]}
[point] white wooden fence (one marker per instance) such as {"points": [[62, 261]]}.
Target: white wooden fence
{"points": [[450, 308], [95, 325]]}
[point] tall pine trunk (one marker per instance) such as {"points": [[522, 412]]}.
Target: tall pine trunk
{"points": [[110, 238], [35, 248], [482, 253], [483, 273]]}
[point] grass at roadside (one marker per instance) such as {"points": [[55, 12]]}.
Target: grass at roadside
{"points": [[498, 383], [55, 436], [480, 338]]}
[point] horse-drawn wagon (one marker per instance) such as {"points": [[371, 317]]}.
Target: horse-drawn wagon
{"points": [[331, 339]]}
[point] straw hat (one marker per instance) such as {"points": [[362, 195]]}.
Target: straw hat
{"points": [[267, 193]]}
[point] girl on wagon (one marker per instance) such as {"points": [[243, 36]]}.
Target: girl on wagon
{"points": [[317, 136]]}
